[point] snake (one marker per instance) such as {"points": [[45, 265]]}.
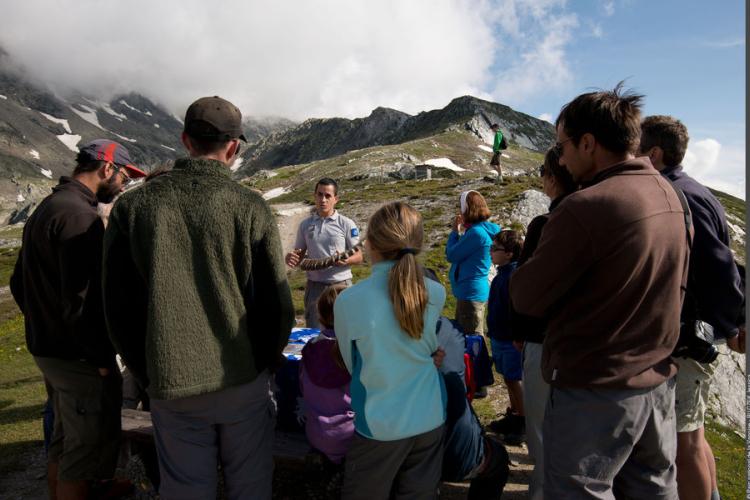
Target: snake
{"points": [[326, 262]]}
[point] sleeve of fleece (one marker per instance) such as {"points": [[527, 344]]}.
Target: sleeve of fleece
{"points": [[268, 299], [125, 296], [564, 253], [343, 332], [80, 259], [461, 248], [16, 283], [717, 284]]}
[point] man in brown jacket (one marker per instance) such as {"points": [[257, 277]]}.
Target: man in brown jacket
{"points": [[608, 273]]}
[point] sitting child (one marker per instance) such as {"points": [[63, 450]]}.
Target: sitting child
{"points": [[324, 380], [468, 454]]}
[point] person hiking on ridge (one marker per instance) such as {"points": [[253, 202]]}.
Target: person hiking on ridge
{"points": [[497, 146]]}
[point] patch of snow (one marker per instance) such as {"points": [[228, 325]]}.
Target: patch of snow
{"points": [[292, 211], [167, 147], [34, 154], [2, 97], [275, 192], [235, 165], [125, 138], [445, 163], [485, 148], [20, 197], [106, 107], [70, 140], [148, 113], [89, 115], [62, 122], [122, 101], [182, 122], [504, 155], [47, 173], [156, 125]]}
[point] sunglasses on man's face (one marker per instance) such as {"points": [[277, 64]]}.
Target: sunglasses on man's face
{"points": [[125, 177]]}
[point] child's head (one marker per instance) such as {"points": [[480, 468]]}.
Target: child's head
{"points": [[325, 304], [506, 247], [395, 232], [473, 207]]}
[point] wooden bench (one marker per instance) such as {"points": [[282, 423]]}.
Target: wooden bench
{"points": [[288, 448]]}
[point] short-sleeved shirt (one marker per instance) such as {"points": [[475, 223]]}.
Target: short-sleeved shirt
{"points": [[324, 236]]}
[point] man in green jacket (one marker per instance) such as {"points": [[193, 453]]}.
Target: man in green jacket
{"points": [[198, 306]]}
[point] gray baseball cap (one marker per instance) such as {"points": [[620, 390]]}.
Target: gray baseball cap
{"points": [[214, 118]]}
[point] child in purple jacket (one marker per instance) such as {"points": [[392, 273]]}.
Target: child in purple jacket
{"points": [[329, 419]]}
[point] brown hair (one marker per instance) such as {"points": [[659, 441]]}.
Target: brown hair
{"points": [[613, 117], [476, 208], [562, 176], [668, 133], [325, 304], [511, 241], [325, 315], [395, 231]]}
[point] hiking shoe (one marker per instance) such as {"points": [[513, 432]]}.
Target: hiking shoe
{"points": [[511, 427], [480, 393], [489, 484]]}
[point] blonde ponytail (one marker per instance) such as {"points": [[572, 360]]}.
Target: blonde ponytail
{"points": [[395, 231]]}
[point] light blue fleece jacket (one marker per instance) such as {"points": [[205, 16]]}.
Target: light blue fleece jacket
{"points": [[396, 390], [470, 260]]}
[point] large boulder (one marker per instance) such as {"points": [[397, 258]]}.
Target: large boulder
{"points": [[531, 204]]}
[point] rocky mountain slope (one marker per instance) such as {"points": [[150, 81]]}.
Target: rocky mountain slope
{"points": [[40, 132], [316, 139]]}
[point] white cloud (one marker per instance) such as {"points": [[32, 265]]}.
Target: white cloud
{"points": [[546, 117], [719, 167], [725, 44], [608, 8], [542, 64], [294, 59]]}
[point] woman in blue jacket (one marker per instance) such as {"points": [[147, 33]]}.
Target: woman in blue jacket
{"points": [[469, 255], [386, 326]]}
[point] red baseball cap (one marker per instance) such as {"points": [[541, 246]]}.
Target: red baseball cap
{"points": [[113, 152]]}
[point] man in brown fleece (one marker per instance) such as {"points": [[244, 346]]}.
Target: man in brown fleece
{"points": [[608, 273]]}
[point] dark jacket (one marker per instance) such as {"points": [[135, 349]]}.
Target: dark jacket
{"points": [[57, 278], [195, 288], [609, 273], [714, 291], [498, 305], [530, 328]]}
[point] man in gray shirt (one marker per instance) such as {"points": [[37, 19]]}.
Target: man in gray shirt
{"points": [[324, 234]]}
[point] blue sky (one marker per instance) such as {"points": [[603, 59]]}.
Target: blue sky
{"points": [[687, 57], [302, 59]]}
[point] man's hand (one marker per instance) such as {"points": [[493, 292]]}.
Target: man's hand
{"points": [[294, 257], [737, 343], [518, 344], [438, 357]]}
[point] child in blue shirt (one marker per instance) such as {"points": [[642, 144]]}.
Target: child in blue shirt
{"points": [[385, 326], [505, 250]]}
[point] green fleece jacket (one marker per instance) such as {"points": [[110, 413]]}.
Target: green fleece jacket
{"points": [[195, 291]]}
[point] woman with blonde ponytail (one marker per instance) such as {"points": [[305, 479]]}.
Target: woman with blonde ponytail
{"points": [[386, 330]]}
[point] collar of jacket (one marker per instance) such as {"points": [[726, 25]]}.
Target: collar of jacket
{"points": [[203, 167], [672, 171], [556, 202], [641, 164], [70, 184]]}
